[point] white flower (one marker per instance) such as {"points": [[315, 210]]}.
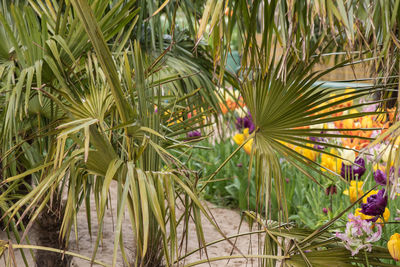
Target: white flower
{"points": [[329, 125], [349, 156], [242, 112], [359, 234], [317, 126], [389, 153]]}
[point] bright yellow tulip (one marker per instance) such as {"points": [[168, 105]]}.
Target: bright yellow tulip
{"points": [[362, 215], [355, 190], [394, 246], [310, 154], [239, 139], [247, 147], [330, 162], [386, 216]]}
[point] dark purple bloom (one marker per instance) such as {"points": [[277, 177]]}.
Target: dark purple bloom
{"points": [[380, 177], [193, 134], [317, 139], [330, 190], [351, 172], [325, 210], [375, 205], [240, 165], [360, 167], [245, 122], [346, 171]]}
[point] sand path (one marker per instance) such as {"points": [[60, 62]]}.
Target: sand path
{"points": [[228, 220]]}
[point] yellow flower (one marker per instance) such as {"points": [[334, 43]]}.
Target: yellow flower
{"points": [[247, 147], [172, 118], [366, 122], [330, 162], [394, 246], [355, 190], [298, 149], [386, 215], [246, 132], [238, 138], [353, 111], [362, 215], [348, 123], [373, 192], [310, 154], [380, 167], [285, 143]]}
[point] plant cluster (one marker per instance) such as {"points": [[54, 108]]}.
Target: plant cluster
{"points": [[135, 96]]}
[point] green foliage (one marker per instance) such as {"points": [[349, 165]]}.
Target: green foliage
{"points": [[305, 199], [231, 186], [91, 120]]}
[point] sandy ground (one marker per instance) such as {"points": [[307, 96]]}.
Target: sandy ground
{"points": [[228, 220]]}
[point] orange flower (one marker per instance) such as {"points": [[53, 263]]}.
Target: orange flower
{"points": [[227, 13], [230, 105], [391, 113]]}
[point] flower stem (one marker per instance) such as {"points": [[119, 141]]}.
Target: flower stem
{"points": [[366, 257]]}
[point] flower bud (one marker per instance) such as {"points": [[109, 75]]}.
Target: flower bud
{"points": [[331, 190]]}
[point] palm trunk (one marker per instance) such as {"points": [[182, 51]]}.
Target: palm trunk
{"points": [[49, 224]]}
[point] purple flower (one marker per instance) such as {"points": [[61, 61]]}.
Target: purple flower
{"points": [[355, 171], [375, 205], [380, 177], [325, 210], [346, 171], [317, 139], [193, 135], [370, 108], [240, 165], [245, 122], [360, 167]]}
